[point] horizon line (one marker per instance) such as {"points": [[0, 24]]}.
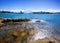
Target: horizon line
{"points": [[49, 10]]}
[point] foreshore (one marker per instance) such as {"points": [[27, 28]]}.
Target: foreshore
{"points": [[20, 31], [16, 21]]}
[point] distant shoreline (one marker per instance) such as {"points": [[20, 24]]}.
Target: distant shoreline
{"points": [[41, 12]]}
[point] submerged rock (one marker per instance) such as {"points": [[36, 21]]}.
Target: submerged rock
{"points": [[14, 31]]}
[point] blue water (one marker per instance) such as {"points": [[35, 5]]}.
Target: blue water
{"points": [[50, 27], [49, 17]]}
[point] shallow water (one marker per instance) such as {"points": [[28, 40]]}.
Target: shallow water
{"points": [[49, 26]]}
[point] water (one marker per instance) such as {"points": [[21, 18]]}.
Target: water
{"points": [[49, 26], [52, 18]]}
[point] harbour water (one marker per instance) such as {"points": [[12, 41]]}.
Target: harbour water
{"points": [[49, 25]]}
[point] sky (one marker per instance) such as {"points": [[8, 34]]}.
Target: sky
{"points": [[30, 5]]}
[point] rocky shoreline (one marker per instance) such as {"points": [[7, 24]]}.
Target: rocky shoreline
{"points": [[21, 31], [8, 20]]}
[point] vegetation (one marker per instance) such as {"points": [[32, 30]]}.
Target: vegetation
{"points": [[3, 12], [6, 12]]}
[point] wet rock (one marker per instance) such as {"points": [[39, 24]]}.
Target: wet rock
{"points": [[14, 20], [38, 21], [51, 42], [14, 36]]}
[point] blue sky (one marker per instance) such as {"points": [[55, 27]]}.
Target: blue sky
{"points": [[17, 5]]}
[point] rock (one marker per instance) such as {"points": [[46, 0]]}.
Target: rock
{"points": [[38, 21], [50, 42], [15, 35], [23, 34], [13, 20]]}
